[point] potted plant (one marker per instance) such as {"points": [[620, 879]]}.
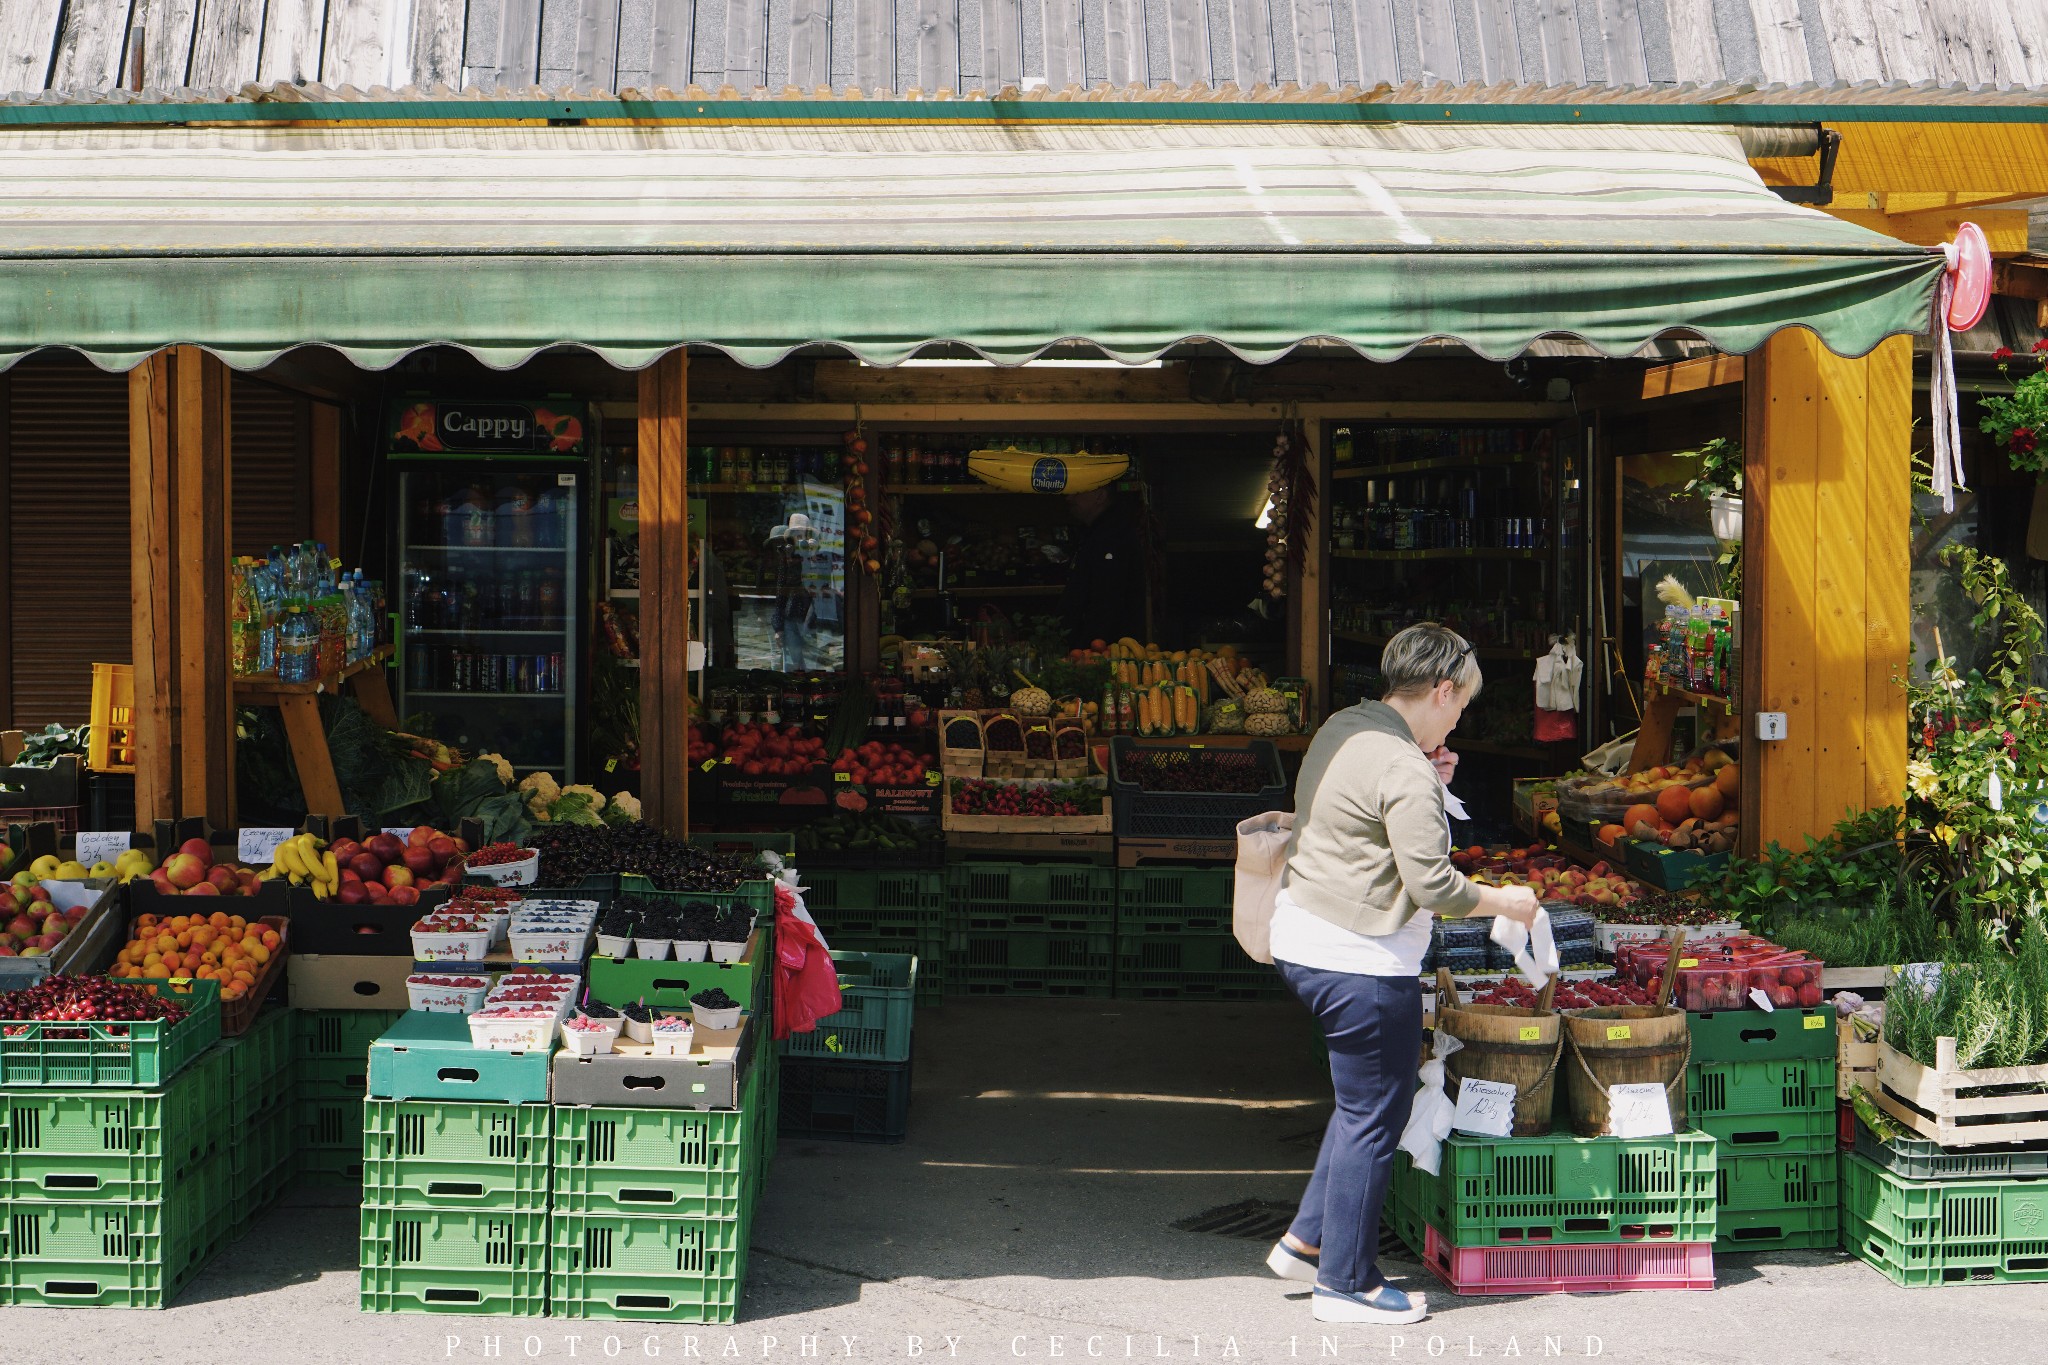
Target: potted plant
{"points": [[2018, 422], [1719, 481]]}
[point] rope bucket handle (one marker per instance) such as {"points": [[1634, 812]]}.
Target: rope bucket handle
{"points": [[1579, 1056]]}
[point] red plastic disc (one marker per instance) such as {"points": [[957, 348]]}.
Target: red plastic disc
{"points": [[1972, 276]]}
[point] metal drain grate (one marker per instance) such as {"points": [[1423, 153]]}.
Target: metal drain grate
{"points": [[1254, 1220]]}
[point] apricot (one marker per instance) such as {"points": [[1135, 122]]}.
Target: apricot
{"points": [[1706, 803]]}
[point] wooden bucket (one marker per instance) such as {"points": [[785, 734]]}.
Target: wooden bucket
{"points": [[1623, 1045], [1521, 1047]]}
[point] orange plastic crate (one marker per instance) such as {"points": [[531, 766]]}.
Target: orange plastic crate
{"points": [[110, 746]]}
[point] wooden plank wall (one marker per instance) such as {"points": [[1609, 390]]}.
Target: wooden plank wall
{"points": [[1825, 593], [982, 44], [664, 594]]}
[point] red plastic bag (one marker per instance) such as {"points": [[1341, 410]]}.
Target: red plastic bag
{"points": [[1552, 726], [806, 982]]}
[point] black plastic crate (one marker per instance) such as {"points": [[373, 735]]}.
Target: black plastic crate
{"points": [[845, 1101], [1141, 814]]}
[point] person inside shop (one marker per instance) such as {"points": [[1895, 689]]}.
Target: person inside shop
{"points": [[1105, 592], [1368, 866]]}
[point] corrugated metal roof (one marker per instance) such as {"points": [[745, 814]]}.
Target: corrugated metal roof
{"points": [[555, 45]]}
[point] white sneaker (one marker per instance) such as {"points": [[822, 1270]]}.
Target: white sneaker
{"points": [[1384, 1304], [1290, 1264]]}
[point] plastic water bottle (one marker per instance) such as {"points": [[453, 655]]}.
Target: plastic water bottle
{"points": [[270, 601], [298, 647]]}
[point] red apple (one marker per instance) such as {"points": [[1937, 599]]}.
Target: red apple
{"points": [[352, 893], [405, 895], [76, 913], [48, 941], [351, 877], [386, 846], [367, 866], [223, 877], [21, 926], [6, 951], [419, 859], [420, 836], [55, 923], [344, 849], [397, 875], [39, 893], [184, 870], [378, 893], [443, 848], [203, 889], [198, 848]]}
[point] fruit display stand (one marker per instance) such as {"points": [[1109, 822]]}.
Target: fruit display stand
{"points": [[298, 704]]}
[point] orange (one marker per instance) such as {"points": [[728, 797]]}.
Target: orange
{"points": [[1639, 814], [1707, 803], [1674, 804]]}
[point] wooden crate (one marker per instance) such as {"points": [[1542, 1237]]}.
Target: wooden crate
{"points": [[1855, 1060], [1929, 1101]]}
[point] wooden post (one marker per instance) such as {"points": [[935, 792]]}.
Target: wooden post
{"points": [[664, 595], [179, 523], [1308, 609], [1825, 582]]}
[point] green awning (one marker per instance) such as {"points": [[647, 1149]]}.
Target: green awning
{"points": [[761, 239]]}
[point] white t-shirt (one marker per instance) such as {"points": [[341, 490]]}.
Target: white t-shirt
{"points": [[1311, 941]]}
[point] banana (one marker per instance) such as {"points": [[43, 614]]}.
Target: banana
{"points": [[289, 859], [1020, 471], [329, 868]]}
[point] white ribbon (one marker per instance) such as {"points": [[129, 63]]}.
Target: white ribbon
{"points": [[1946, 426]]}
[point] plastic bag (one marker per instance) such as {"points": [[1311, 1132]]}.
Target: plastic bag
{"points": [[1429, 1122]]}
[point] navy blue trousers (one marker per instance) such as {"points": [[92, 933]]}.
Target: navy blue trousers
{"points": [[1373, 1026]]}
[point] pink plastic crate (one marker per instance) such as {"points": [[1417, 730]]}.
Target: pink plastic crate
{"points": [[1557, 1268]]}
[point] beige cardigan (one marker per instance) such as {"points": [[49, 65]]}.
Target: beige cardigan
{"points": [[1371, 846]]}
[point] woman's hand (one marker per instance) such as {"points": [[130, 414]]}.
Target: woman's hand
{"points": [[1517, 903], [1444, 761]]}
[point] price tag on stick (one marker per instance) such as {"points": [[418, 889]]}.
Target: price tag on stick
{"points": [[1638, 1111], [1486, 1108], [101, 845], [256, 845]]}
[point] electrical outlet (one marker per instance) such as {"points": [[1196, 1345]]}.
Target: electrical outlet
{"points": [[1770, 725]]}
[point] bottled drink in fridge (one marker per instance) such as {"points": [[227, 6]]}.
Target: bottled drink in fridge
{"points": [[298, 647], [245, 622]]}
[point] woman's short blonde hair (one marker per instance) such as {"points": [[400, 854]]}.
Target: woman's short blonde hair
{"points": [[1425, 654]]}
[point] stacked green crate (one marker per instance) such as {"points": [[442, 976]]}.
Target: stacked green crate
{"points": [[884, 910], [1018, 929], [455, 1206], [1174, 939], [1763, 1083], [849, 1077], [114, 1198], [653, 1208], [331, 1058], [1926, 1215], [263, 1107]]}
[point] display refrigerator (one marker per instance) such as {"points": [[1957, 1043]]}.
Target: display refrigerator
{"points": [[492, 579]]}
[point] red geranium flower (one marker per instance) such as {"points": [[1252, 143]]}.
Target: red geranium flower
{"points": [[2041, 345], [2002, 353]]}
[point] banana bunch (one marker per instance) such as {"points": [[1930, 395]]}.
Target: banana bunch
{"points": [[304, 861]]}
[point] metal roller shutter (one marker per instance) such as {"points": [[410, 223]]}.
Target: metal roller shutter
{"points": [[271, 496], [66, 485]]}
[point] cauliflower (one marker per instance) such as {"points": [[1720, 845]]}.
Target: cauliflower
{"points": [[626, 804], [540, 789], [596, 800], [503, 766]]}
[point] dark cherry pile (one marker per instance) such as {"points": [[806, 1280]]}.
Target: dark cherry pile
{"points": [[714, 999], [573, 852], [1229, 773], [1571, 995], [97, 998], [1008, 798]]}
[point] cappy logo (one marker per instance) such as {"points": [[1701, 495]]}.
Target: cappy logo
{"points": [[1048, 475]]}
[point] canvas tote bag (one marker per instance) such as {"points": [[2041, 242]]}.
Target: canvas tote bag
{"points": [[1261, 857]]}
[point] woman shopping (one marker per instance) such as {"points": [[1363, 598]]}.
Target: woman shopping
{"points": [[1369, 864]]}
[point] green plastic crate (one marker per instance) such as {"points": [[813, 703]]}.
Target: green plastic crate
{"points": [[1763, 1035], [430, 1057], [1257, 983], [451, 1155], [878, 992], [1801, 1180], [333, 1077], [1787, 1131], [340, 1033], [324, 1121], [1816, 1226], [1564, 1189], [262, 1144], [100, 1145], [111, 1255], [717, 841], [137, 1056], [1175, 900], [1915, 1158], [1189, 965], [617, 1266], [453, 1261], [1764, 1087], [259, 1060], [758, 896], [927, 945], [1046, 897], [1031, 962], [669, 985], [846, 895], [1951, 1213], [328, 1166], [656, 1162]]}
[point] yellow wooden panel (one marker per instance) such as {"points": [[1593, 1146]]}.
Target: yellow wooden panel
{"points": [[1842, 410], [2004, 229], [1786, 466], [1990, 158], [1887, 643]]}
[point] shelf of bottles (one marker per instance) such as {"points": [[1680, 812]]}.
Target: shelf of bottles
{"points": [[298, 616], [489, 582]]}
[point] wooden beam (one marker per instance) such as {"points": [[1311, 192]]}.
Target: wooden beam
{"points": [[1887, 594], [2005, 229], [180, 512], [664, 594], [1308, 607], [1678, 379], [324, 474]]}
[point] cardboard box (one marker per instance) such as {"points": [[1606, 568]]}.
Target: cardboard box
{"points": [[712, 1076], [332, 981]]}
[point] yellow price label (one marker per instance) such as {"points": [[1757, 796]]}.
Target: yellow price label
{"points": [[1530, 1033], [931, 777], [842, 777], [611, 765], [708, 764], [1688, 962], [1617, 1032], [1816, 1021]]}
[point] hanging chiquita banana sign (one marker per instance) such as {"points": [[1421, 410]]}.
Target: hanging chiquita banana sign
{"points": [[1025, 471]]}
